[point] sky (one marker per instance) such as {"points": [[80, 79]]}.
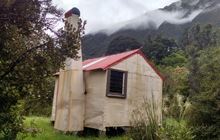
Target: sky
{"points": [[101, 14]]}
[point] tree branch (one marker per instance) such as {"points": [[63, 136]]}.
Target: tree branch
{"points": [[19, 59]]}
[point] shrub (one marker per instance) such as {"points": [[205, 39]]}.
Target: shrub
{"points": [[144, 123], [175, 130], [145, 126], [11, 122]]}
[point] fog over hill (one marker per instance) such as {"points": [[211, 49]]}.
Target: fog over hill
{"points": [[170, 21]]}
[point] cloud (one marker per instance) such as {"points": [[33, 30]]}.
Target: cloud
{"points": [[109, 16], [153, 19], [104, 13]]}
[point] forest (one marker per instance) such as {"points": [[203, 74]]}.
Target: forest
{"points": [[29, 57]]}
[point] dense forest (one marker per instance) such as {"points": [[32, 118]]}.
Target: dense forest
{"points": [[29, 57]]}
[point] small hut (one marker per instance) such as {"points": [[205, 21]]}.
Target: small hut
{"points": [[102, 92]]}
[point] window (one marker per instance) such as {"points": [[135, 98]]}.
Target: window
{"points": [[117, 83]]}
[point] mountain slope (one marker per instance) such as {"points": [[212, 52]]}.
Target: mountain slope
{"points": [[171, 21]]}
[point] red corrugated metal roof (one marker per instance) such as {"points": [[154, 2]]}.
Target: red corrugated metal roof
{"points": [[108, 61]]}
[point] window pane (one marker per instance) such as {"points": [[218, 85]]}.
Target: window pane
{"points": [[116, 81]]}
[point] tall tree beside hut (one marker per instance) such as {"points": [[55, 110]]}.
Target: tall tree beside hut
{"points": [[29, 56]]}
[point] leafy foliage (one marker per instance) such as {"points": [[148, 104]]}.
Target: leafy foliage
{"points": [[148, 128], [191, 85], [175, 59], [29, 57], [200, 36], [145, 123], [201, 45], [122, 44], [175, 91], [176, 130], [205, 104], [157, 48]]}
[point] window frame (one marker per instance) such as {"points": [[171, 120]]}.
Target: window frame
{"points": [[124, 85]]}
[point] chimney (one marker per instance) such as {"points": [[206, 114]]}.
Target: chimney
{"points": [[70, 102], [72, 18]]}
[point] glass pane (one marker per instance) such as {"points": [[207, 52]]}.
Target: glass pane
{"points": [[116, 81]]}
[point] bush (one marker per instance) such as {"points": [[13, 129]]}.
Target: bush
{"points": [[145, 126], [144, 123], [175, 130], [11, 122], [206, 133]]}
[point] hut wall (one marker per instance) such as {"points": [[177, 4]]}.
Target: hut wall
{"points": [[70, 106], [53, 114], [95, 83], [70, 101], [143, 84]]}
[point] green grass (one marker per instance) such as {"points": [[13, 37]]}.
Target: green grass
{"points": [[47, 132]]}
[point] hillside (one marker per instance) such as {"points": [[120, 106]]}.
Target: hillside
{"points": [[183, 14]]}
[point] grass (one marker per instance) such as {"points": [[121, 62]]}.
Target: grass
{"points": [[47, 132]]}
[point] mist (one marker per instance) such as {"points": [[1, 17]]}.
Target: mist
{"points": [[110, 16], [155, 18], [101, 14]]}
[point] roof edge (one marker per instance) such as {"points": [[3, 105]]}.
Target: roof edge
{"points": [[116, 62], [138, 51], [151, 65]]}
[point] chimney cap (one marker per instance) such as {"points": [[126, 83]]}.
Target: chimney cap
{"points": [[74, 11]]}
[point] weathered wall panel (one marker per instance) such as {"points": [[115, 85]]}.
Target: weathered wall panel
{"points": [[143, 84], [70, 102], [53, 114], [116, 112], [95, 96]]}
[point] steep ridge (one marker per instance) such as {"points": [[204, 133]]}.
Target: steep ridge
{"points": [[170, 21]]}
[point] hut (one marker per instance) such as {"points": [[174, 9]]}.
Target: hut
{"points": [[102, 92]]}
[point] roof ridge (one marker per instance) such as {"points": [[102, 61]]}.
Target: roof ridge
{"points": [[111, 60], [135, 50]]}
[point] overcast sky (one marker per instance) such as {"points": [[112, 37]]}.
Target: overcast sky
{"points": [[103, 13]]}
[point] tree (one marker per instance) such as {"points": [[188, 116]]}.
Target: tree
{"points": [[200, 36], [6, 3], [175, 91], [205, 111], [29, 56], [201, 45], [157, 48], [122, 44], [171, 61], [175, 59], [195, 39]]}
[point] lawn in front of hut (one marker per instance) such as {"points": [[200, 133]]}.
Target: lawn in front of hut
{"points": [[42, 129]]}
